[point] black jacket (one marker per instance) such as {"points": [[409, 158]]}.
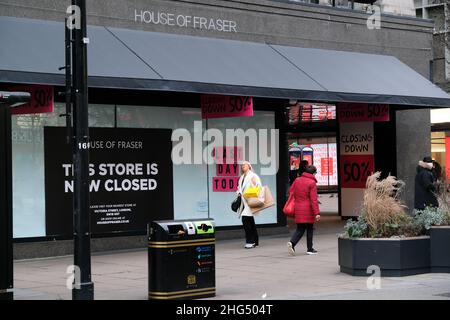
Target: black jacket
{"points": [[424, 188]]}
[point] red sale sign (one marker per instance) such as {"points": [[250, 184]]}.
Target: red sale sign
{"points": [[326, 166], [41, 99], [355, 169], [228, 155], [227, 170], [362, 112], [217, 106], [225, 184]]}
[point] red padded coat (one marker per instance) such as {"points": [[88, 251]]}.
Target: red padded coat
{"points": [[305, 198]]}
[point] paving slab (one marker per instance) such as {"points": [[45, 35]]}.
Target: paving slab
{"points": [[265, 272]]}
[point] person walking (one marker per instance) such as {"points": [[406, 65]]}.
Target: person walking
{"points": [[424, 188], [248, 179], [306, 208]]}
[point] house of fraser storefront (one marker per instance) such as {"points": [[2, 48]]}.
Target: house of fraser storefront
{"points": [[150, 65]]}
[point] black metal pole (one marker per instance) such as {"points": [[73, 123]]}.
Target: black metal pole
{"points": [[82, 234], [68, 94], [6, 255]]}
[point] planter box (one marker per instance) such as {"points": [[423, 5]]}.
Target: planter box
{"points": [[395, 257], [440, 249]]}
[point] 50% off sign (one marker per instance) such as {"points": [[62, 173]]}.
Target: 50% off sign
{"points": [[355, 169]]}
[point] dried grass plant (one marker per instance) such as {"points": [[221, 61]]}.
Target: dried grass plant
{"points": [[382, 206]]}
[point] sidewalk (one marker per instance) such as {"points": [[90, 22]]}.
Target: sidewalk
{"points": [[264, 272]]}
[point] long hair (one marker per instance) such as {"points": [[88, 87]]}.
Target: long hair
{"points": [[249, 166]]}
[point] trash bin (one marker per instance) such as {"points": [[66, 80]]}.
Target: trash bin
{"points": [[181, 259]]}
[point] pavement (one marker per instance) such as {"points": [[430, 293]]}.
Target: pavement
{"points": [[266, 272]]}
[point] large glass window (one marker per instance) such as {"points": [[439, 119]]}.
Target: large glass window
{"points": [[440, 138], [324, 158], [440, 141], [189, 180], [220, 201], [27, 133], [194, 195]]}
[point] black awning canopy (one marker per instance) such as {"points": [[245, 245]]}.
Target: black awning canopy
{"points": [[33, 50]]}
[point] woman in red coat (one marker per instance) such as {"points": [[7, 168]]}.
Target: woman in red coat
{"points": [[306, 206]]}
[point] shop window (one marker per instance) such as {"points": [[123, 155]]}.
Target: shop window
{"points": [[439, 144], [27, 136], [324, 158], [189, 180], [220, 201], [194, 196], [194, 193], [300, 113]]}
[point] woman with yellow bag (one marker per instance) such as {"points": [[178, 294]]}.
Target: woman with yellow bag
{"points": [[249, 186]]}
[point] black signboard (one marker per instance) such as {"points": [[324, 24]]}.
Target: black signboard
{"points": [[130, 179]]}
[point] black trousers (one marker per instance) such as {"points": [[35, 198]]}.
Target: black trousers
{"points": [[301, 228], [251, 234]]}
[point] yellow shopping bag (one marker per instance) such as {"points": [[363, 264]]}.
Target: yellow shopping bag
{"points": [[252, 192]]}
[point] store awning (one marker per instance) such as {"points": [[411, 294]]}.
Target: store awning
{"points": [[31, 51]]}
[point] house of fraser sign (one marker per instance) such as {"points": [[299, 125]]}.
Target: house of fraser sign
{"points": [[184, 21]]}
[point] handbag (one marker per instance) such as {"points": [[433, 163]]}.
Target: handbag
{"points": [[289, 208], [236, 204], [268, 201], [252, 192], [258, 201]]}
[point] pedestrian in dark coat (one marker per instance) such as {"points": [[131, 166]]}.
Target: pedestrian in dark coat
{"points": [[306, 208], [424, 185]]}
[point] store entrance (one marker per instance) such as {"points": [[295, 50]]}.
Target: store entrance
{"points": [[311, 138]]}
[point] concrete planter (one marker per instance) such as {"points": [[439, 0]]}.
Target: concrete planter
{"points": [[394, 257], [440, 249]]}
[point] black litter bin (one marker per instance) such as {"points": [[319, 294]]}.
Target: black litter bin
{"points": [[181, 259]]}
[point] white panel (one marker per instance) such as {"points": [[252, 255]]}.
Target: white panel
{"points": [[352, 200], [356, 138]]}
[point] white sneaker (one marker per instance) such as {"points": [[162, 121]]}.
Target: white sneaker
{"points": [[249, 246], [291, 249]]}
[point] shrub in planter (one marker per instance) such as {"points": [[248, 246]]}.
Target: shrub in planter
{"points": [[436, 222], [384, 235], [430, 217]]}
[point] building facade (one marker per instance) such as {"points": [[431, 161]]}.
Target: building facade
{"points": [[189, 191]]}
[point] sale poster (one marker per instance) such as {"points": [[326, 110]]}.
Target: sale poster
{"points": [[357, 163], [355, 169], [356, 138], [225, 184], [218, 106], [41, 99], [363, 112], [325, 160], [227, 168]]}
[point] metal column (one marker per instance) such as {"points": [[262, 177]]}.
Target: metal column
{"points": [[6, 254]]}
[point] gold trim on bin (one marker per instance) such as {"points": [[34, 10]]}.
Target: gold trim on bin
{"points": [[177, 244], [181, 294]]}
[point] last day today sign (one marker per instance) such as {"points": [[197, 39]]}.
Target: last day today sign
{"points": [[130, 179]]}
